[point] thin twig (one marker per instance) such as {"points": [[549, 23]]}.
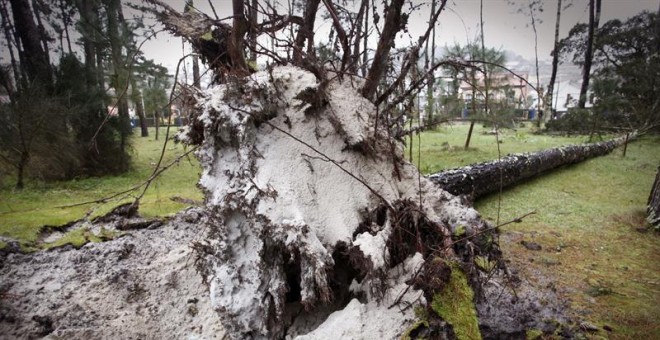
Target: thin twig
{"points": [[133, 188]]}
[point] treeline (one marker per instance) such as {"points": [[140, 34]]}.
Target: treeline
{"points": [[622, 61], [74, 65]]}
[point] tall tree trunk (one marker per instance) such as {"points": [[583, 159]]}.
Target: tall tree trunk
{"points": [[22, 164], [24, 151], [120, 75], [365, 39], [87, 22], [43, 35], [431, 98], [357, 37], [474, 111], [483, 56], [431, 78], [235, 44], [66, 22], [555, 58], [594, 16], [474, 80], [385, 44], [36, 66], [156, 123], [539, 94], [253, 31], [195, 58], [6, 26], [136, 97]]}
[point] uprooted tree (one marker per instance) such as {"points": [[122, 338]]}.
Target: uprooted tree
{"points": [[477, 180], [317, 226]]}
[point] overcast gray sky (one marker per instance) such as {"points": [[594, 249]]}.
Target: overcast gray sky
{"points": [[504, 26]]}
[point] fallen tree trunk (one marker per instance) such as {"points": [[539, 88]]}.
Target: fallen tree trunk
{"points": [[484, 178], [653, 209]]}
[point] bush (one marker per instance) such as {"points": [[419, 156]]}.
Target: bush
{"points": [[585, 121]]}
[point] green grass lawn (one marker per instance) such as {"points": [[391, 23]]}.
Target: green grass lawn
{"points": [[23, 213], [588, 220]]}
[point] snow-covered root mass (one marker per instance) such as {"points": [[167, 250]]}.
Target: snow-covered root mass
{"points": [[314, 228], [315, 221]]}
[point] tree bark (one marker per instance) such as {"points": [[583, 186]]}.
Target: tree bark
{"points": [[6, 26], [539, 95], [87, 23], [119, 78], [385, 44], [37, 66], [430, 75], [235, 43], [469, 136], [357, 36], [555, 58], [365, 41], [484, 178], [594, 17], [253, 30], [306, 31], [43, 35], [653, 209], [22, 164], [139, 108]]}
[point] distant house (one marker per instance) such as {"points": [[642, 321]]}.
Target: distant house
{"points": [[503, 87]]}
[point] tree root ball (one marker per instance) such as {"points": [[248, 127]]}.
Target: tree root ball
{"points": [[314, 216]]}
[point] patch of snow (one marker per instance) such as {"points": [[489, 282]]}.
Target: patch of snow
{"points": [[141, 285], [374, 246]]}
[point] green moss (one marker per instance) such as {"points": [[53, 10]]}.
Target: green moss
{"points": [[533, 334], [77, 238], [81, 236], [460, 231], [484, 264], [3, 245], [455, 305], [415, 326], [106, 234]]}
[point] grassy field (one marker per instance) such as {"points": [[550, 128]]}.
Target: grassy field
{"points": [[23, 213], [589, 216], [589, 221]]}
